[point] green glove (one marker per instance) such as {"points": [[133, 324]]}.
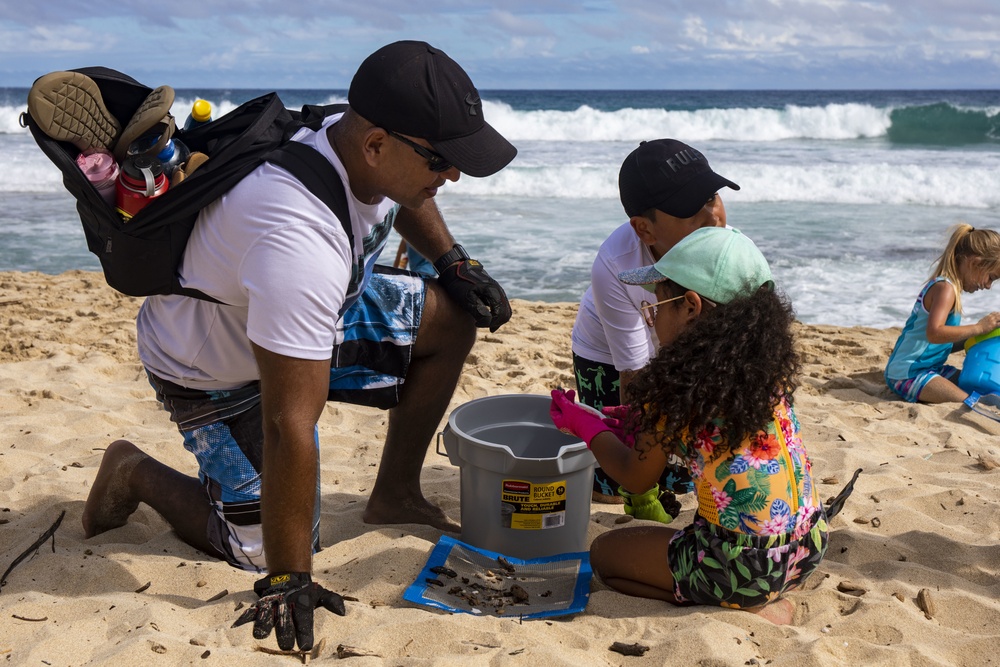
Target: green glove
{"points": [[645, 505]]}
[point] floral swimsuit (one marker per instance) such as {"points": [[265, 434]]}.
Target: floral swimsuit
{"points": [[759, 530]]}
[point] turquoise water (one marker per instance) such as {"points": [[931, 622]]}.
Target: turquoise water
{"points": [[848, 193]]}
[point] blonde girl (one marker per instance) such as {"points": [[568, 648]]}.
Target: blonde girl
{"points": [[917, 368]]}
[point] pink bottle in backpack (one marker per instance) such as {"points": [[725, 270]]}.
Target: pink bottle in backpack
{"points": [[101, 170]]}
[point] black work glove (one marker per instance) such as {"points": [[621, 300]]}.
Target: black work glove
{"points": [[476, 292], [286, 603]]}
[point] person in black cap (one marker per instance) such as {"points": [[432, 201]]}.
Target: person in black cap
{"points": [[668, 190], [305, 317]]}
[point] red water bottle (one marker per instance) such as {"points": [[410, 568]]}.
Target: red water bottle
{"points": [[141, 180]]}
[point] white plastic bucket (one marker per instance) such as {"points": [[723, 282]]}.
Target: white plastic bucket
{"points": [[525, 486]]}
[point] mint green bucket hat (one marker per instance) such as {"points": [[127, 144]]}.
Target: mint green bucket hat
{"points": [[719, 263]]}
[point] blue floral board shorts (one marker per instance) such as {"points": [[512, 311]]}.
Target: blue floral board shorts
{"points": [[223, 428], [712, 565], [910, 388]]}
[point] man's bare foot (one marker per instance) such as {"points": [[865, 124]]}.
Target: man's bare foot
{"points": [[779, 612], [110, 502], [417, 510]]}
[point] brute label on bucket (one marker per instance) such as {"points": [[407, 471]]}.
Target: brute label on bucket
{"points": [[530, 506]]}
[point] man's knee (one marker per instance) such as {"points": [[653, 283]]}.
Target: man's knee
{"points": [[445, 323]]}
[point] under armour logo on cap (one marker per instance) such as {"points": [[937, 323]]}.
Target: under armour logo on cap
{"points": [[473, 101], [413, 89]]}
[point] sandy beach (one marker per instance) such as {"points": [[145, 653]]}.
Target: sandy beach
{"points": [[910, 577]]}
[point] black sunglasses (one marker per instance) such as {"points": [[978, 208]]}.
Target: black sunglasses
{"points": [[435, 162]]}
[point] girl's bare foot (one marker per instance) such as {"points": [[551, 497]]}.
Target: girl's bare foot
{"points": [[779, 612], [110, 501]]}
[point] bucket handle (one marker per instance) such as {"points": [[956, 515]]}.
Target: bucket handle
{"points": [[437, 445]]}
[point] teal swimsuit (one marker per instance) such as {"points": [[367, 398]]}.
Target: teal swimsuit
{"points": [[915, 361]]}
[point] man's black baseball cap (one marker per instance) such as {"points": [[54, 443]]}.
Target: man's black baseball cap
{"points": [[668, 175], [415, 89]]}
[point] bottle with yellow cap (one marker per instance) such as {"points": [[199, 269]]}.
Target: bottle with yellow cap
{"points": [[201, 113]]}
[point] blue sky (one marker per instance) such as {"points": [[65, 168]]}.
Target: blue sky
{"points": [[581, 44]]}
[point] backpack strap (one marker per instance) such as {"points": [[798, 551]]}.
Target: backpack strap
{"points": [[318, 176], [312, 116], [305, 163]]}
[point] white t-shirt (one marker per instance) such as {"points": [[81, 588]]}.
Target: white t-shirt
{"points": [[609, 327], [279, 259]]}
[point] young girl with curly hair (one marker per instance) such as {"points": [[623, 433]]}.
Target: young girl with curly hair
{"points": [[718, 394]]}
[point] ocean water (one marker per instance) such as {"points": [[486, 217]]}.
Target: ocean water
{"points": [[849, 194]]}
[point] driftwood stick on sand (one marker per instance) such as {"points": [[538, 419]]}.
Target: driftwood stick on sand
{"points": [[51, 532], [304, 655]]}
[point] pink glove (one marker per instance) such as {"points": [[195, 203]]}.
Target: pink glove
{"points": [[575, 419], [616, 419], [619, 412], [618, 428]]}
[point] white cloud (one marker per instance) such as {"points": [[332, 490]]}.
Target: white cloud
{"points": [[740, 37], [518, 25], [516, 47], [751, 43], [44, 39], [695, 31]]}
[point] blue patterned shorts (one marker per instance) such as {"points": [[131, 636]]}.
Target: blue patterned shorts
{"points": [[910, 388], [222, 428]]}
